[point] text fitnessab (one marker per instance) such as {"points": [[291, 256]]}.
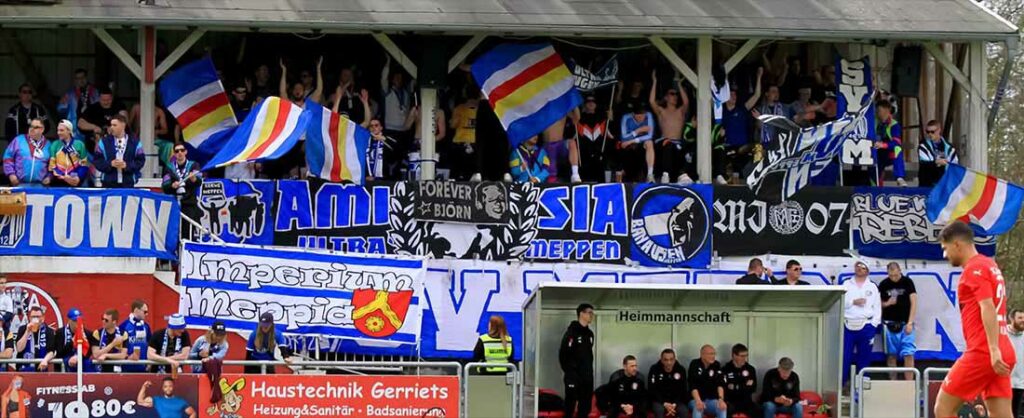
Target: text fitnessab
{"points": [[675, 317]]}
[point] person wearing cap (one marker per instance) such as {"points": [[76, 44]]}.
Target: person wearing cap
{"points": [[862, 315], [66, 349], [781, 391], [137, 334], [264, 343], [636, 142], [593, 136], [108, 342], [36, 341], [213, 345], [69, 160], [170, 345]]}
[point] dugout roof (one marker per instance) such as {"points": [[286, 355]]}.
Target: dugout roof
{"points": [[936, 20]]}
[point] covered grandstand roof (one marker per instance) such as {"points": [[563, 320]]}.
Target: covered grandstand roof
{"points": [[821, 19]]}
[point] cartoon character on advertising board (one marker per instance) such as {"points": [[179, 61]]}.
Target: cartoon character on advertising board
{"points": [[231, 401]]}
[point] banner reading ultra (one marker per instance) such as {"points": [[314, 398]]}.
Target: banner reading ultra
{"points": [[308, 292], [333, 396]]}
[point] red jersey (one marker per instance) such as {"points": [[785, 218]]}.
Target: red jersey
{"points": [[980, 280]]}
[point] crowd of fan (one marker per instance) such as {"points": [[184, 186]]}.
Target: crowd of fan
{"points": [[25, 334], [645, 132]]}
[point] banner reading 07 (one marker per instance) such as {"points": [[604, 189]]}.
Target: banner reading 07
{"points": [[363, 297]]}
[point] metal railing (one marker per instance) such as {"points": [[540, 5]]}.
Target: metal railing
{"points": [[926, 381], [512, 378], [859, 386]]}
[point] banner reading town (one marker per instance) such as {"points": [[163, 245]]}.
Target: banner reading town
{"points": [[351, 296]]}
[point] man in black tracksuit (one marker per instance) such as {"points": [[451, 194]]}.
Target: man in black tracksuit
{"points": [[576, 356], [740, 383], [667, 386], [628, 391]]}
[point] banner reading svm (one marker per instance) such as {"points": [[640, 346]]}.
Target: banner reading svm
{"points": [[367, 297], [93, 223]]}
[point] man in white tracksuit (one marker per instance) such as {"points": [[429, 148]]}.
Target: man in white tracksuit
{"points": [[863, 314]]}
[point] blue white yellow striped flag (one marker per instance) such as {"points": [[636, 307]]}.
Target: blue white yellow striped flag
{"points": [[270, 131], [335, 145], [528, 86], [989, 203], [195, 96]]}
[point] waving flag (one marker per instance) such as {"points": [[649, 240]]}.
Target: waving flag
{"points": [[335, 146], [270, 131], [976, 198], [529, 88], [587, 80], [196, 98]]}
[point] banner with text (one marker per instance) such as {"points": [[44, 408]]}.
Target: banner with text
{"points": [[93, 223], [813, 222], [287, 396], [238, 211], [891, 222], [449, 201], [106, 395], [351, 296]]}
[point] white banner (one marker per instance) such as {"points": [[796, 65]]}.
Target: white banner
{"points": [[311, 293]]}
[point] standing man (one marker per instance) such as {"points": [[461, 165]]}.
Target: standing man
{"points": [[137, 335], [740, 382], [6, 303], [36, 341], [108, 342], [934, 155], [170, 345], [707, 385], [629, 396], [1015, 330], [985, 366], [22, 113], [667, 386], [576, 356], [781, 391], [889, 146], [78, 98], [182, 178], [119, 156], [863, 314], [67, 350], [793, 273], [671, 118], [167, 405], [899, 307], [757, 274], [96, 119], [594, 140], [27, 158]]}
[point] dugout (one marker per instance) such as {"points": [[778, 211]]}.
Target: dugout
{"points": [[803, 323]]}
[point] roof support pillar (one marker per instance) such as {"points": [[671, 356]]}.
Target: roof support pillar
{"points": [[464, 52], [977, 130], [396, 53], [673, 58], [703, 87], [147, 101], [947, 64], [740, 54], [428, 129]]}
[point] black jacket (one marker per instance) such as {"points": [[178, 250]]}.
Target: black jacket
{"points": [[775, 386], [668, 386], [754, 279], [706, 380], [740, 382], [625, 390], [576, 354]]}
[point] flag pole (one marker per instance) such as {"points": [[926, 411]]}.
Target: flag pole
{"points": [[78, 356]]}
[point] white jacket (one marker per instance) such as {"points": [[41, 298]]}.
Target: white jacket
{"points": [[871, 311]]}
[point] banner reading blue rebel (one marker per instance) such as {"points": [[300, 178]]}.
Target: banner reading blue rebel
{"points": [[670, 225], [892, 223], [93, 223], [309, 292], [239, 211]]}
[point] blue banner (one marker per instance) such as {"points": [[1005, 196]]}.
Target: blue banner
{"points": [[238, 211], [671, 225], [93, 223], [891, 223]]}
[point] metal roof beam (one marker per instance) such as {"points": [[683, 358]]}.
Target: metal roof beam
{"points": [[396, 53], [740, 54], [673, 58], [465, 51], [180, 51], [947, 64], [119, 51]]}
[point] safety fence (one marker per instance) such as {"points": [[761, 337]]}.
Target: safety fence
{"points": [[316, 388]]}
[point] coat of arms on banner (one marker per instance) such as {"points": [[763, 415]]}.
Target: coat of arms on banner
{"points": [[380, 313], [671, 226]]}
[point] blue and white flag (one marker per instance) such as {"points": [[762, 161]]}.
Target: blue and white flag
{"points": [[309, 292], [93, 223]]}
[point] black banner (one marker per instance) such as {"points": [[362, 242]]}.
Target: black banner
{"points": [[449, 201], [815, 221]]}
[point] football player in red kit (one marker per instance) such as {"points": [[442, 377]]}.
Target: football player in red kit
{"points": [[985, 366]]}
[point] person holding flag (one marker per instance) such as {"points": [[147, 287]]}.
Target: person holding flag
{"points": [[71, 336], [529, 163]]}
